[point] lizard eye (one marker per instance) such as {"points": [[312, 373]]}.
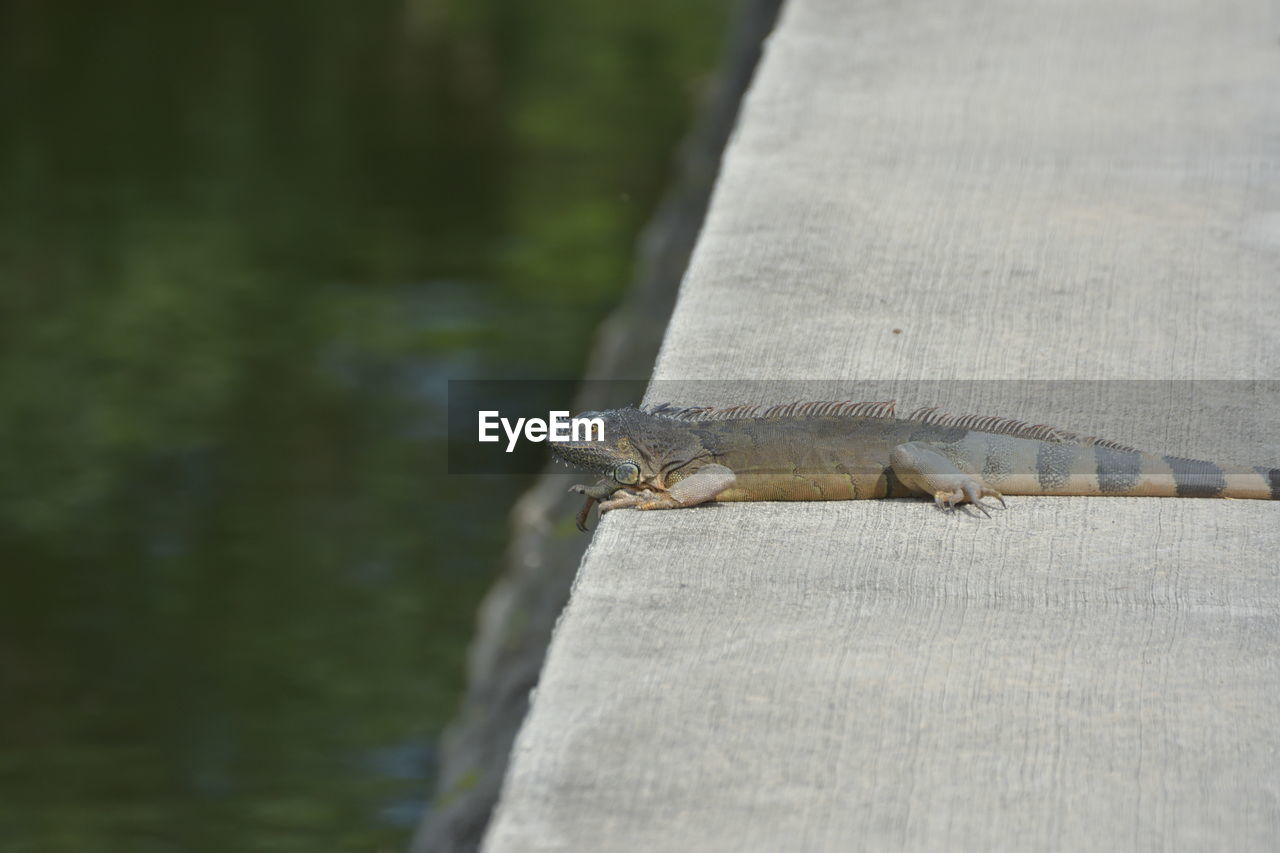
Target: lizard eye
{"points": [[628, 473]]}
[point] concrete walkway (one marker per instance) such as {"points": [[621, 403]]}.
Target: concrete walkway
{"points": [[1053, 190]]}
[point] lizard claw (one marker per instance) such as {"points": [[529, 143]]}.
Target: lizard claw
{"points": [[969, 492], [584, 513], [599, 492]]}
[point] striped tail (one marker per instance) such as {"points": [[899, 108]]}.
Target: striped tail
{"points": [[1100, 470], [1173, 476]]}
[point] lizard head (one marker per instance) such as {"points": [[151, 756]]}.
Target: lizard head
{"points": [[639, 449]]}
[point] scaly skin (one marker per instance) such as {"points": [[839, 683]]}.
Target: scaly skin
{"points": [[668, 458]]}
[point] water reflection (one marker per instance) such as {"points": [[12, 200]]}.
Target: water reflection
{"points": [[241, 247]]}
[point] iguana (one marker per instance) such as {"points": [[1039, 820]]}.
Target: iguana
{"points": [[666, 457]]}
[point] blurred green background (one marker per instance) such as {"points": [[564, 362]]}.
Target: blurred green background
{"points": [[242, 247]]}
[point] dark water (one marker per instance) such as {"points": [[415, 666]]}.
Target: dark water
{"points": [[242, 245]]}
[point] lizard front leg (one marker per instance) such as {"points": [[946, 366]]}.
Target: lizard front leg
{"points": [[923, 467], [701, 486], [601, 491]]}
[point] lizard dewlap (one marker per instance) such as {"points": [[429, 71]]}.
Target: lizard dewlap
{"points": [[665, 457]]}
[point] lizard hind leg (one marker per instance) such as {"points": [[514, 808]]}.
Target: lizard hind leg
{"points": [[926, 469]]}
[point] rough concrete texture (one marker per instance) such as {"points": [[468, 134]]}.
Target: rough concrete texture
{"points": [[1056, 190]]}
